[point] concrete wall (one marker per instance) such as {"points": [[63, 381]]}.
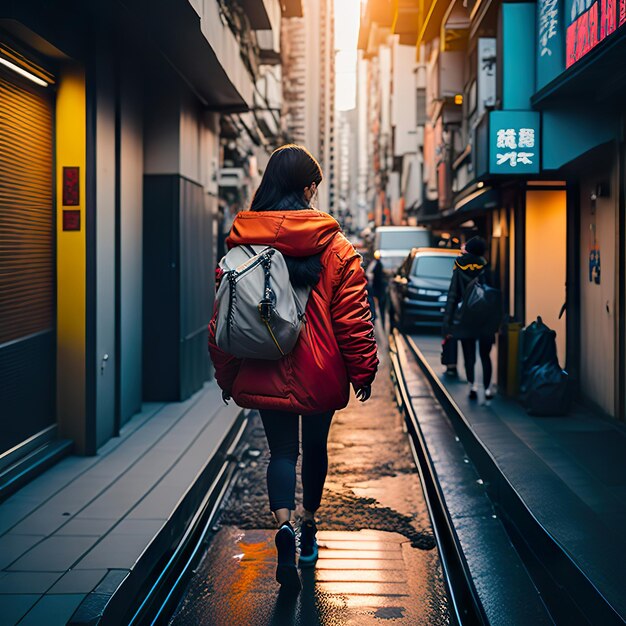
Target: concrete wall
{"points": [[313, 75], [384, 55], [131, 239], [597, 302], [162, 126], [105, 357], [225, 47], [190, 129]]}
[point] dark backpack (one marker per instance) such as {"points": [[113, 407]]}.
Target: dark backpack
{"points": [[479, 313]]}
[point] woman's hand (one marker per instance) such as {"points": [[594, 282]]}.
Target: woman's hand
{"points": [[225, 397], [364, 393]]}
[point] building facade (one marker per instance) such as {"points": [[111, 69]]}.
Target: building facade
{"points": [[112, 129], [519, 122], [309, 89]]}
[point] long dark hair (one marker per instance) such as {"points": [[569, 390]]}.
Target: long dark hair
{"points": [[289, 170]]}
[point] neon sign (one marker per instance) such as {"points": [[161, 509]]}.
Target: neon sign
{"points": [[514, 142], [588, 23]]}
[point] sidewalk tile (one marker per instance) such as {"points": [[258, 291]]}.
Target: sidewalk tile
{"points": [[15, 509], [54, 554], [14, 546], [27, 582], [139, 526], [116, 551], [52, 610], [78, 581], [120, 498], [14, 607], [90, 527]]}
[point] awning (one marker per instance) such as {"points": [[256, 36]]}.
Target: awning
{"points": [[406, 21], [599, 77], [431, 26], [465, 206], [475, 199], [176, 30], [291, 8], [376, 22], [381, 12]]}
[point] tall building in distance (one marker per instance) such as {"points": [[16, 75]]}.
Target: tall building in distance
{"points": [[347, 171], [308, 110]]}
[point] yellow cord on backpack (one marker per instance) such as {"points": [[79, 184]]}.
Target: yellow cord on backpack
{"points": [[273, 336]]}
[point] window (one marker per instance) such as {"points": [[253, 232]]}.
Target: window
{"points": [[421, 106], [434, 266]]}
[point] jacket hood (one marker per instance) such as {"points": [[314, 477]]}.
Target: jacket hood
{"points": [[295, 233], [471, 262]]}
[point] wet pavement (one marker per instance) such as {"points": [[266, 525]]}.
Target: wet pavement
{"points": [[378, 559]]}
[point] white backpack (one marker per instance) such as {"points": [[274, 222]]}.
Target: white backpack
{"points": [[259, 313]]}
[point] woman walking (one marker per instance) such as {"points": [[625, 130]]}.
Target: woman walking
{"points": [[468, 266], [336, 347]]}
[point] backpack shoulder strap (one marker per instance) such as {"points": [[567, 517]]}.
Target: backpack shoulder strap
{"points": [[253, 249]]}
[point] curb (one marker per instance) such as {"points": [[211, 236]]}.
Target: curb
{"points": [[121, 592], [465, 605], [566, 589]]}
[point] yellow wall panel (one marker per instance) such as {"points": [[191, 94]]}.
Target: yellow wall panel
{"points": [[71, 260]]}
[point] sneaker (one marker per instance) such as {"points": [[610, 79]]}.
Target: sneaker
{"points": [[308, 544], [473, 394], [490, 392], [286, 570], [451, 372]]}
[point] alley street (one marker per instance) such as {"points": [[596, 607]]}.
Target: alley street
{"points": [[378, 558]]}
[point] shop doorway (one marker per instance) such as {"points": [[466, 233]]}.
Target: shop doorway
{"points": [[546, 261]]}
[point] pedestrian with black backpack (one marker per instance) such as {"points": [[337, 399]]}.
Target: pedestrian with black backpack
{"points": [[473, 312], [291, 333]]}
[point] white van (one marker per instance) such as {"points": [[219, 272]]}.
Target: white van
{"points": [[395, 242]]}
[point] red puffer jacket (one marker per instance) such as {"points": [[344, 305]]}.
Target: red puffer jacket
{"points": [[336, 346]]}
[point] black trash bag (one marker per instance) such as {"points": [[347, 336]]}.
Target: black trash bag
{"points": [[547, 392], [538, 348], [544, 385]]}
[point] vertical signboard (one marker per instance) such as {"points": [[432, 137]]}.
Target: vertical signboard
{"points": [[587, 23], [486, 73], [514, 142], [517, 59], [550, 41]]}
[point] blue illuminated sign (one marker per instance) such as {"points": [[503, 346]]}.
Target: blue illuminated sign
{"points": [[514, 142]]}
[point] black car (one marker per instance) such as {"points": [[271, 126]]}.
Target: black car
{"points": [[419, 290]]}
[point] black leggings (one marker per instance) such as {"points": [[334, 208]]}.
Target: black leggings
{"points": [[282, 432], [469, 356]]}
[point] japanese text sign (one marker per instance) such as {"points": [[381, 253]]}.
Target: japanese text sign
{"points": [[548, 26], [514, 142], [550, 41], [587, 23]]}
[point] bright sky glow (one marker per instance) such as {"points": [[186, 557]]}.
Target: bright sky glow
{"points": [[347, 13]]}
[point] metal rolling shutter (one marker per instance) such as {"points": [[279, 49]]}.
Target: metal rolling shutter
{"points": [[27, 260]]}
